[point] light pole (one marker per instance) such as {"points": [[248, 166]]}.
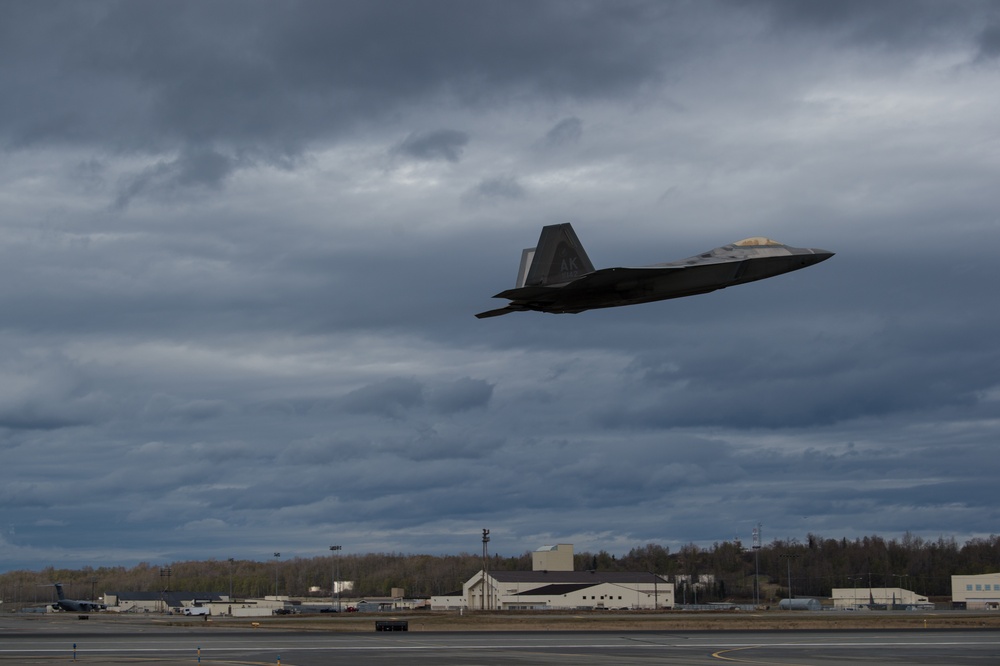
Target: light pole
{"points": [[231, 563], [756, 565], [335, 589], [871, 595], [276, 556], [165, 572], [788, 558], [902, 589], [855, 580]]}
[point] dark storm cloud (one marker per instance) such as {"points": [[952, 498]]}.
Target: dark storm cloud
{"points": [[28, 416], [497, 188], [46, 392], [989, 41], [891, 23], [170, 408], [269, 77], [194, 168], [813, 383], [390, 397], [460, 395], [567, 131], [436, 145]]}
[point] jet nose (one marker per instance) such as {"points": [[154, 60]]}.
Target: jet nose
{"points": [[821, 255]]}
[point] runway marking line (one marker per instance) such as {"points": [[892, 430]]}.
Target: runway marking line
{"points": [[721, 655]]}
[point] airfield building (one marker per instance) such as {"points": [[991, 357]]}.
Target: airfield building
{"points": [[562, 588], [157, 602], [979, 592], [553, 558]]}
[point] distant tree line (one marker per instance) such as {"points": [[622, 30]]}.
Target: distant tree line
{"points": [[723, 572]]}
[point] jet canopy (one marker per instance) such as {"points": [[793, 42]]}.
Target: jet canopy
{"points": [[757, 241]]}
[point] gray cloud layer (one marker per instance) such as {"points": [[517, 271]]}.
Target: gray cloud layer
{"points": [[243, 242]]}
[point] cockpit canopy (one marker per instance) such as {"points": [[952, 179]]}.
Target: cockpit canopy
{"points": [[757, 241]]}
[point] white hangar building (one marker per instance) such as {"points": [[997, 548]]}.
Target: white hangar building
{"points": [[552, 584]]}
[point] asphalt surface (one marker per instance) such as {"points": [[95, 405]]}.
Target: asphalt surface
{"points": [[51, 640]]}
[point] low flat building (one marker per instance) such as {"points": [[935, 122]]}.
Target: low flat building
{"points": [[449, 601], [157, 602]]}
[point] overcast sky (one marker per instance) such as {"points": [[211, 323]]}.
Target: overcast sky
{"points": [[243, 242]]}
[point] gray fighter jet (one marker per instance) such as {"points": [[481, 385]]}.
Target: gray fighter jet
{"points": [[74, 605], [557, 276]]}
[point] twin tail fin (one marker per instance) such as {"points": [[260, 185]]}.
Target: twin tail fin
{"points": [[558, 258]]}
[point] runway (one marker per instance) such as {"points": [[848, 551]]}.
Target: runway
{"points": [[46, 642]]}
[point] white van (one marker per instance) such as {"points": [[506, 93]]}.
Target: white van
{"points": [[197, 610]]}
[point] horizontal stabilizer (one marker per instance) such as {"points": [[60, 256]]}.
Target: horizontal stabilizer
{"points": [[496, 313]]}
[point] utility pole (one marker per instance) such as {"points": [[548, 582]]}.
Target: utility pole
{"points": [[231, 563]]}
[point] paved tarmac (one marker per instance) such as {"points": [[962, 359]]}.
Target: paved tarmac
{"points": [[50, 640]]}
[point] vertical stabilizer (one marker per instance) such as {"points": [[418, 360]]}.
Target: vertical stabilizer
{"points": [[559, 257], [59, 591]]}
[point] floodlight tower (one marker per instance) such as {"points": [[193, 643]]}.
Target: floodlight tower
{"points": [[788, 557], [484, 602], [232, 561], [276, 556], [336, 573]]}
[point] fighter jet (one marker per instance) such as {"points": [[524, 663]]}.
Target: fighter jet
{"points": [[557, 276], [74, 605]]}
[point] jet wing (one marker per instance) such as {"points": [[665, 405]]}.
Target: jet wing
{"points": [[603, 278], [609, 277]]}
